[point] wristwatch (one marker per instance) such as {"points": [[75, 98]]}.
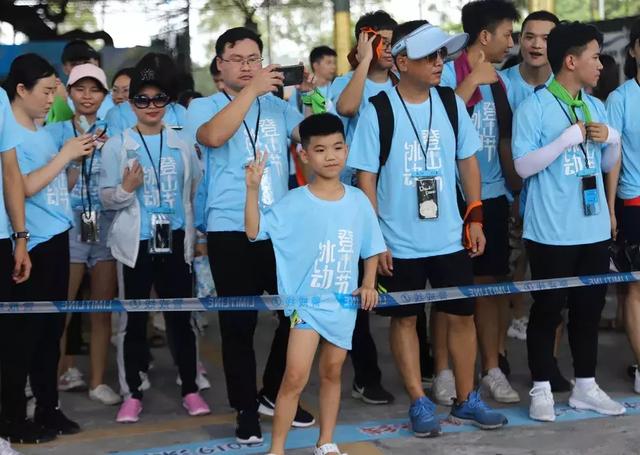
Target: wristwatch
{"points": [[21, 235]]}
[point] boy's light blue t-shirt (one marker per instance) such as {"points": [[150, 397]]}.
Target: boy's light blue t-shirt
{"points": [[121, 117], [171, 172], [519, 89], [61, 132], [554, 213], [407, 235], [10, 137], [622, 107], [317, 244], [486, 123], [226, 175], [48, 212]]}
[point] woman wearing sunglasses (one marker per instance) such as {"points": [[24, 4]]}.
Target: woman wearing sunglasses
{"points": [[122, 116], [87, 88], [31, 86], [149, 175]]}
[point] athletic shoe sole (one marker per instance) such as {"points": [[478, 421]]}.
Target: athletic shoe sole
{"points": [[582, 406], [430, 434], [543, 418], [267, 411], [250, 440], [460, 421], [359, 396]]}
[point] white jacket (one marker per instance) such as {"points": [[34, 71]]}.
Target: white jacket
{"points": [[124, 234]]}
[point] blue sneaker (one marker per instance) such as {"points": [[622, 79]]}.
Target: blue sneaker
{"points": [[424, 422], [476, 412]]}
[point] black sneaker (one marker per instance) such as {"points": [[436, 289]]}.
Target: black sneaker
{"points": [[26, 432], [558, 382], [248, 427], [55, 420], [302, 418], [374, 394], [503, 364]]}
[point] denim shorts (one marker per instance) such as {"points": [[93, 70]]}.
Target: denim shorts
{"points": [[90, 253]]}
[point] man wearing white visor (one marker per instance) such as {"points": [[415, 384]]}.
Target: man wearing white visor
{"points": [[425, 135]]}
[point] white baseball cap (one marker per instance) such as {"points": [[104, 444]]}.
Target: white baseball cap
{"points": [[426, 40], [88, 70]]}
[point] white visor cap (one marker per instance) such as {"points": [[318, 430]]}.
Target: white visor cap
{"points": [[427, 39]]}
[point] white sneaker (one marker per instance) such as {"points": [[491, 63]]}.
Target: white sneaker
{"points": [[28, 393], [145, 384], [636, 382], [157, 319], [71, 380], [541, 407], [594, 399], [498, 387], [105, 395], [518, 328], [201, 381], [31, 408], [444, 388], [5, 448]]}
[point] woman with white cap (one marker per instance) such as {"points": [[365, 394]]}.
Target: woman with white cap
{"points": [[87, 87]]}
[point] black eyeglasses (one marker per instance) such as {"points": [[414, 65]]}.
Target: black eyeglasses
{"points": [[143, 101]]}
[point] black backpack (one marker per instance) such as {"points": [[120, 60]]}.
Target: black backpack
{"points": [[382, 104]]}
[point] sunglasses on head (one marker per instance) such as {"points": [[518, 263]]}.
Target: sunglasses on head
{"points": [[143, 101]]}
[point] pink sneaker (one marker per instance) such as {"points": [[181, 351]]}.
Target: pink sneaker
{"points": [[129, 411], [195, 405]]}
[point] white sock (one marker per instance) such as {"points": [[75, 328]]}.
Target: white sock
{"points": [[585, 384], [542, 385], [494, 372]]}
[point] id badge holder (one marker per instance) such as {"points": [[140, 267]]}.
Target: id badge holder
{"points": [[427, 189], [590, 197], [89, 230], [161, 240]]}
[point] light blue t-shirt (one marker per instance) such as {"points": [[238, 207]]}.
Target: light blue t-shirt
{"points": [[554, 213], [61, 132], [171, 172], [519, 89], [370, 89], [622, 106], [121, 117], [226, 176], [486, 123], [407, 235], [317, 244], [48, 212], [10, 137]]}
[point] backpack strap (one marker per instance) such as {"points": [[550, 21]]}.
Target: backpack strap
{"points": [[382, 104], [504, 115], [448, 97]]}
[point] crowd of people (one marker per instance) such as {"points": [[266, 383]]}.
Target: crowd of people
{"points": [[423, 164]]}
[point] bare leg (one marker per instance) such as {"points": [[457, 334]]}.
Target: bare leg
{"points": [[439, 339], [301, 350], [76, 273], [330, 367], [487, 318], [403, 339], [463, 348], [103, 287], [632, 318]]}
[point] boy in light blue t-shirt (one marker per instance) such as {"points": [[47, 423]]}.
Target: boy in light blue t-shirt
{"points": [[318, 232], [562, 145]]}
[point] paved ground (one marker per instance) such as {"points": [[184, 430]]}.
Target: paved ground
{"points": [[164, 422]]}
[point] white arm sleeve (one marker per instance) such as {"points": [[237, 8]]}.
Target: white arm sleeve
{"points": [[116, 198], [539, 159], [611, 153]]}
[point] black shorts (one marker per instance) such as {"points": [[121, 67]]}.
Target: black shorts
{"points": [[495, 260], [441, 271], [630, 221]]}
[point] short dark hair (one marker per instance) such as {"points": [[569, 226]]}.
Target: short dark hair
{"points": [[377, 20], [630, 63], [569, 38], [405, 28], [541, 16], [319, 125], [26, 69], [123, 72], [486, 15], [78, 50], [213, 68], [317, 53], [233, 35]]}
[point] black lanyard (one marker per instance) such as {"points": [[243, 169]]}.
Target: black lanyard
{"points": [[415, 130], [586, 158], [85, 176], [253, 140], [155, 171]]}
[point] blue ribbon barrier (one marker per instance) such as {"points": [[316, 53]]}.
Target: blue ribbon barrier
{"points": [[281, 302]]}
